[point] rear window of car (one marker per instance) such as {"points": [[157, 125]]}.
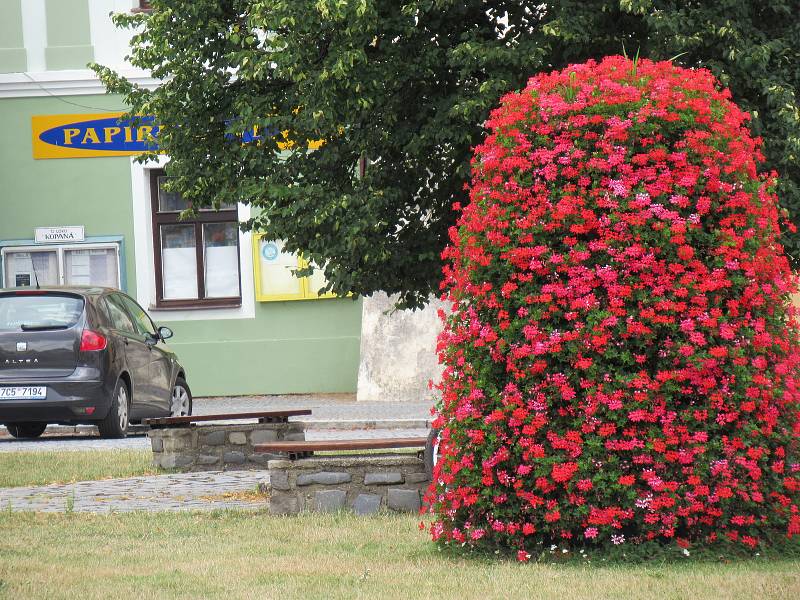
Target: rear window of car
{"points": [[32, 312]]}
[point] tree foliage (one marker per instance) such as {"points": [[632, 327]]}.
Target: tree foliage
{"points": [[407, 86], [621, 356]]}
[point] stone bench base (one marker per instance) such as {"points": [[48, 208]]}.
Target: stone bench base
{"points": [[363, 484], [220, 447]]}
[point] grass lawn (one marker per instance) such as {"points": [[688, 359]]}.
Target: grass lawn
{"points": [[244, 555], [40, 468]]}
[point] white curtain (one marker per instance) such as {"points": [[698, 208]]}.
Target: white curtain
{"points": [[222, 271], [179, 273]]}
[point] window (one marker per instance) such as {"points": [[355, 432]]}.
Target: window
{"points": [[84, 264], [143, 323], [51, 311], [119, 318], [196, 259], [274, 277]]}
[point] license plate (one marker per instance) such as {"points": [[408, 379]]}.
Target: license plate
{"points": [[21, 393]]}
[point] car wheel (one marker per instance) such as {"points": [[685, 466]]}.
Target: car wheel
{"points": [[26, 430], [431, 451], [115, 425], [181, 402]]}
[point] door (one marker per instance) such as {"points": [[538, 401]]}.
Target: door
{"points": [[160, 368], [137, 355]]}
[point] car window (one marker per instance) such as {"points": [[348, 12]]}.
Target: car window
{"points": [[140, 318], [45, 311], [119, 318]]}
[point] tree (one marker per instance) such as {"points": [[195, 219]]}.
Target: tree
{"points": [[404, 88], [621, 355]]}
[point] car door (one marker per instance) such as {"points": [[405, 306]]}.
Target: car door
{"points": [[137, 355], [160, 368]]}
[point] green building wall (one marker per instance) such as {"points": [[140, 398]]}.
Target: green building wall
{"points": [[68, 47], [289, 347], [13, 57]]}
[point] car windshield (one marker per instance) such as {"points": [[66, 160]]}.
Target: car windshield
{"points": [[39, 312]]}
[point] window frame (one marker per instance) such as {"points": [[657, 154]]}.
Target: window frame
{"points": [[60, 250], [143, 6], [157, 219]]}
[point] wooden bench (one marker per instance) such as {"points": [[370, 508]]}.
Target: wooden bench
{"points": [[277, 416], [305, 449]]}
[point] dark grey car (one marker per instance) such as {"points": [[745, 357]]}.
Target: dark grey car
{"points": [[76, 355]]}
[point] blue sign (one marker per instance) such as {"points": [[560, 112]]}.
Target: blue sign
{"points": [[269, 251]]}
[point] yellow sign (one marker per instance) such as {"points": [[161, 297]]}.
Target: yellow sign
{"points": [[107, 134], [274, 277], [91, 135]]}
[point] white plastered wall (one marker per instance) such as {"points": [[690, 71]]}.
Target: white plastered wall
{"points": [[398, 351]]}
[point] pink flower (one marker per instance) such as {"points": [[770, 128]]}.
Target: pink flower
{"points": [[618, 187]]}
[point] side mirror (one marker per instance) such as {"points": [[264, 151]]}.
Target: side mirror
{"points": [[165, 333]]}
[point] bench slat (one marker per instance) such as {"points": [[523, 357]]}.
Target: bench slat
{"points": [[359, 444], [277, 415]]}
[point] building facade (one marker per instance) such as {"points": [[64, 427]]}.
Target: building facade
{"points": [[77, 208]]}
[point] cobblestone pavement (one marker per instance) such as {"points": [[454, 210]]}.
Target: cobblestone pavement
{"points": [[185, 491]]}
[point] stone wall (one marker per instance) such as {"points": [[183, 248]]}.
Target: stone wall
{"points": [[398, 351], [219, 447], [363, 484]]}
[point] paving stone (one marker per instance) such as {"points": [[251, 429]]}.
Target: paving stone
{"points": [[367, 504], [279, 480], [383, 478], [213, 438], [262, 436], [262, 459], [238, 438], [182, 491], [234, 458], [284, 504], [417, 477], [323, 478], [176, 444], [329, 500], [175, 461], [403, 500]]}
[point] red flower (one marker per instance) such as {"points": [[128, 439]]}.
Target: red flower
{"points": [[552, 516], [618, 305], [564, 472]]}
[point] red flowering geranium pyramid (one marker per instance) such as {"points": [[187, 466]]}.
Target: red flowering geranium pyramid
{"points": [[621, 358]]}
